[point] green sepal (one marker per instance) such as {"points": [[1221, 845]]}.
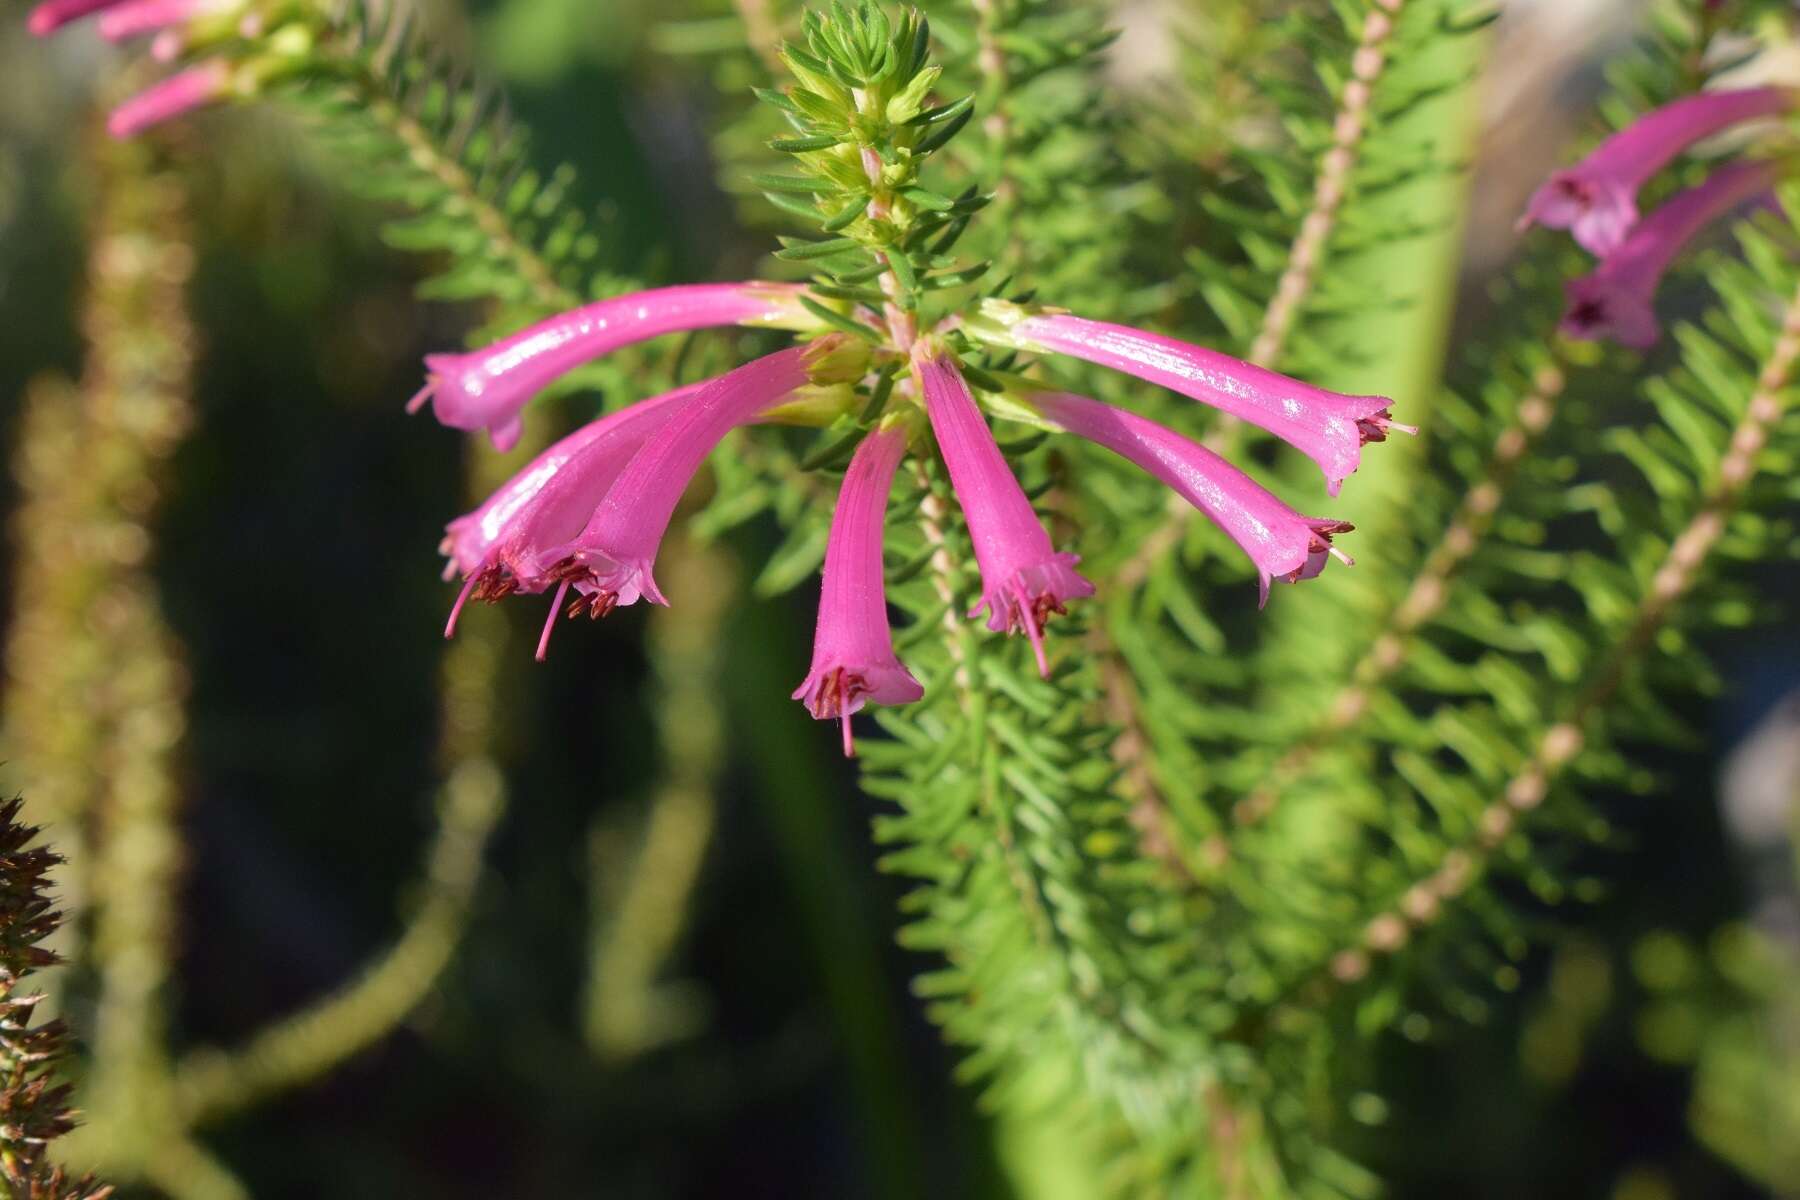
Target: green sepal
{"points": [[878, 397], [847, 215], [838, 320], [779, 99], [785, 203], [803, 145], [903, 271], [944, 112], [856, 295], [763, 181], [799, 250], [950, 279], [927, 199], [935, 140], [833, 444]]}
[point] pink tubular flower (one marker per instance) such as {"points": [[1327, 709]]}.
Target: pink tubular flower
{"points": [[1615, 300], [175, 96], [1596, 199], [853, 649], [135, 18], [609, 562], [1282, 543], [1330, 428], [497, 548], [52, 15], [487, 389], [1023, 578]]}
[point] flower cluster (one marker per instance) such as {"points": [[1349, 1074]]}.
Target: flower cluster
{"points": [[587, 515], [1596, 201]]}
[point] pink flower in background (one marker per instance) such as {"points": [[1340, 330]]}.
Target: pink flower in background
{"points": [[853, 649], [1614, 301], [136, 18], [173, 22], [488, 388], [609, 562], [52, 15], [1023, 578], [179, 94], [1596, 199], [1283, 544], [1330, 428]]}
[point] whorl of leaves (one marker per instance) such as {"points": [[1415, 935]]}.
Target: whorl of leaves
{"points": [[34, 1104], [864, 121]]}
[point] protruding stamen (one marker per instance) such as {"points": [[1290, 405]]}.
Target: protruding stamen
{"points": [[1033, 622], [1340, 556], [420, 398], [843, 699], [543, 646], [462, 598], [1376, 426]]}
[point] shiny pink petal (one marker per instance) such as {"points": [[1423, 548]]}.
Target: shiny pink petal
{"points": [[489, 388], [1282, 543], [1329, 427], [609, 562]]}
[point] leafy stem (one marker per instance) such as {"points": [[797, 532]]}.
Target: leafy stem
{"points": [[862, 110], [1424, 598], [1559, 745]]}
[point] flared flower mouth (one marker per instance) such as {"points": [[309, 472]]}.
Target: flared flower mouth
{"points": [[1281, 543], [599, 583], [1596, 199], [1319, 549], [836, 689], [1374, 428], [1615, 301], [602, 582], [461, 395], [1600, 308], [1026, 599], [1598, 212]]}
